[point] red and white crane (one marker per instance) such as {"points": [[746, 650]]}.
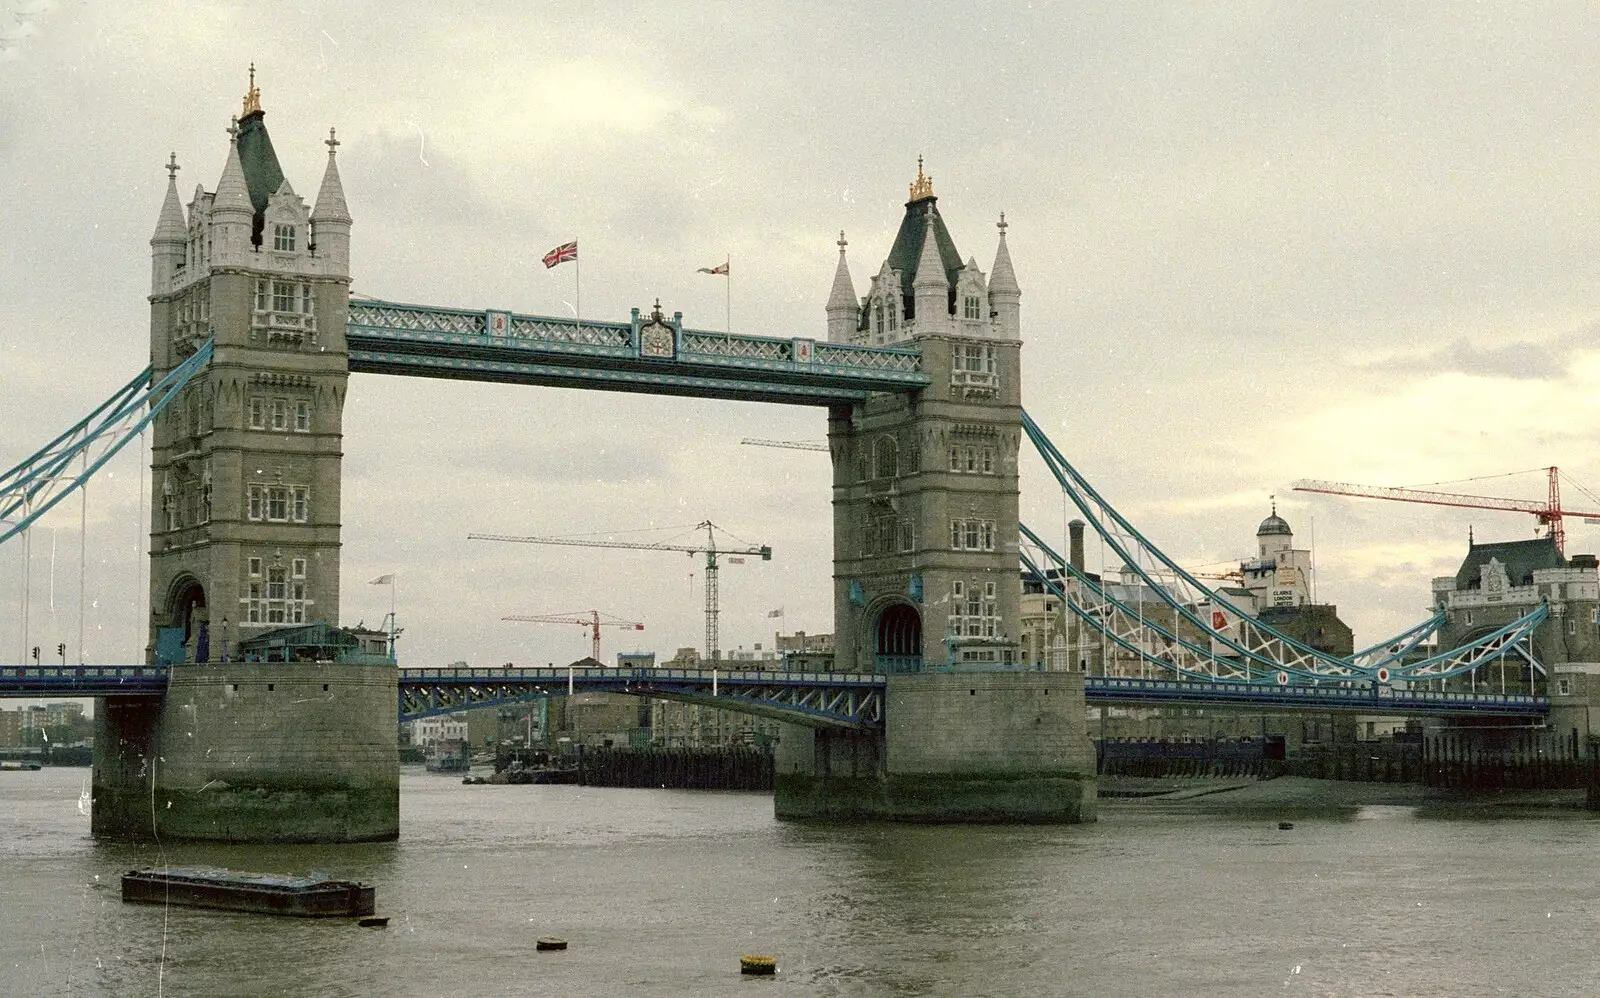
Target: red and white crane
{"points": [[584, 618], [1548, 513], [709, 549]]}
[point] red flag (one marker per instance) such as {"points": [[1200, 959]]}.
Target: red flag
{"points": [[561, 254], [721, 268]]}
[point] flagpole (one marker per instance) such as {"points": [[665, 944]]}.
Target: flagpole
{"points": [[727, 315], [392, 652], [577, 283]]}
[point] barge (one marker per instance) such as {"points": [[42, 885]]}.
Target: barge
{"points": [[263, 893]]}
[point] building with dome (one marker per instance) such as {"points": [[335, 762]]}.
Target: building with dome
{"points": [[1280, 574]]}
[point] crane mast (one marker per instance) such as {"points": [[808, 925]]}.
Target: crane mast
{"points": [[592, 621], [709, 549]]}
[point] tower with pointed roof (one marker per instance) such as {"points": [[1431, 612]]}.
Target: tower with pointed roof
{"points": [[925, 488], [927, 583], [244, 532]]}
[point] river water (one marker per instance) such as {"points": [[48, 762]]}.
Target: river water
{"points": [[659, 892]]}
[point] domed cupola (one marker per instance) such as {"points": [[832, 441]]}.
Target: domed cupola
{"points": [[1274, 525]]}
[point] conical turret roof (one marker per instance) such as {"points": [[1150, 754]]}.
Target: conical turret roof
{"points": [[331, 206], [1002, 278], [233, 194], [170, 227], [844, 291]]}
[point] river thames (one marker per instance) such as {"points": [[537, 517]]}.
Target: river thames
{"points": [[659, 892]]}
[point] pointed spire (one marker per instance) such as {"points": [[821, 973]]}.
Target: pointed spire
{"points": [[252, 97], [844, 290], [233, 195], [1002, 278], [170, 227], [922, 187], [930, 268], [330, 198]]}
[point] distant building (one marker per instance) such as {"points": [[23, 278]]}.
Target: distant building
{"points": [[10, 728], [802, 652], [429, 731], [1503, 580], [692, 725]]}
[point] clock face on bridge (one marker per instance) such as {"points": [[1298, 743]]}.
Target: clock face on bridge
{"points": [[655, 340]]}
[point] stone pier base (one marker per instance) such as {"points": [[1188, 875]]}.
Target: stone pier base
{"points": [[1006, 747], [252, 752]]}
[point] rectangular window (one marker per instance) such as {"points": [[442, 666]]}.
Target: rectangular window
{"points": [[298, 568], [955, 535], [986, 529], [256, 513], [258, 413], [907, 536], [958, 590], [971, 540], [300, 500], [261, 296], [988, 590], [277, 583], [254, 566], [955, 458], [970, 309], [283, 238], [280, 413], [972, 459], [302, 417], [305, 299], [253, 602], [283, 296], [277, 503], [988, 461]]}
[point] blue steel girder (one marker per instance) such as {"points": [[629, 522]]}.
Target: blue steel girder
{"points": [[1354, 698], [818, 700], [82, 680], [489, 345]]}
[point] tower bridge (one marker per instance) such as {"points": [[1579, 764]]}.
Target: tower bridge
{"points": [[932, 713]]}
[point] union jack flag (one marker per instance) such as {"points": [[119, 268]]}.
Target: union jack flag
{"points": [[561, 254]]}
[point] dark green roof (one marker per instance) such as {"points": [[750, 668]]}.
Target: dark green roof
{"points": [[262, 174], [907, 249], [1521, 559]]}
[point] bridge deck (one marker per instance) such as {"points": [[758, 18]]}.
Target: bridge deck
{"points": [[394, 338], [814, 699]]}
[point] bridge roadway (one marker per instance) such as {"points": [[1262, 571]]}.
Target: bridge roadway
{"points": [[837, 700]]}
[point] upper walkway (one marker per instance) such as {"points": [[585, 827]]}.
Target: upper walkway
{"points": [[840, 700], [651, 353]]}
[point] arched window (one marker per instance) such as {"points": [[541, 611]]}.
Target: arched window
{"points": [[885, 458]]}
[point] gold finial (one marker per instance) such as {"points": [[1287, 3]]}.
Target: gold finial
{"points": [[252, 97], [922, 187]]}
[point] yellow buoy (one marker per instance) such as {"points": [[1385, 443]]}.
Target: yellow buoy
{"points": [[749, 964], [549, 943]]}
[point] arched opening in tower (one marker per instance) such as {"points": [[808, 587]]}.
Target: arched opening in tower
{"points": [[899, 639], [188, 625]]}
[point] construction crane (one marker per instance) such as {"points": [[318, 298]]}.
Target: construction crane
{"points": [[1548, 513], [787, 444], [576, 617], [709, 549]]}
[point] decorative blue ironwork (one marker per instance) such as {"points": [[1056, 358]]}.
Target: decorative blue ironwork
{"points": [[819, 700], [394, 338], [1365, 699], [83, 680]]}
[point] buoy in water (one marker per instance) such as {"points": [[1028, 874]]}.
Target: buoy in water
{"points": [[549, 943], [373, 921], [1284, 826], [760, 965]]}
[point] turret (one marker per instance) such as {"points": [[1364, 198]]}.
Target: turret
{"points": [[1005, 298], [844, 311], [169, 244], [231, 211], [330, 225], [931, 289]]}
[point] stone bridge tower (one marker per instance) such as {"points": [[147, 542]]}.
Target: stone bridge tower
{"points": [[244, 537], [927, 580]]}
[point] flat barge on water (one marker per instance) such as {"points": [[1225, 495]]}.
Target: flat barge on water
{"points": [[265, 893]]}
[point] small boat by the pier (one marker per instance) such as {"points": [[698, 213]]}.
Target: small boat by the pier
{"points": [[265, 893]]}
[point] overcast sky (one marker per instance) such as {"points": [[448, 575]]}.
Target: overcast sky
{"points": [[1256, 242]]}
